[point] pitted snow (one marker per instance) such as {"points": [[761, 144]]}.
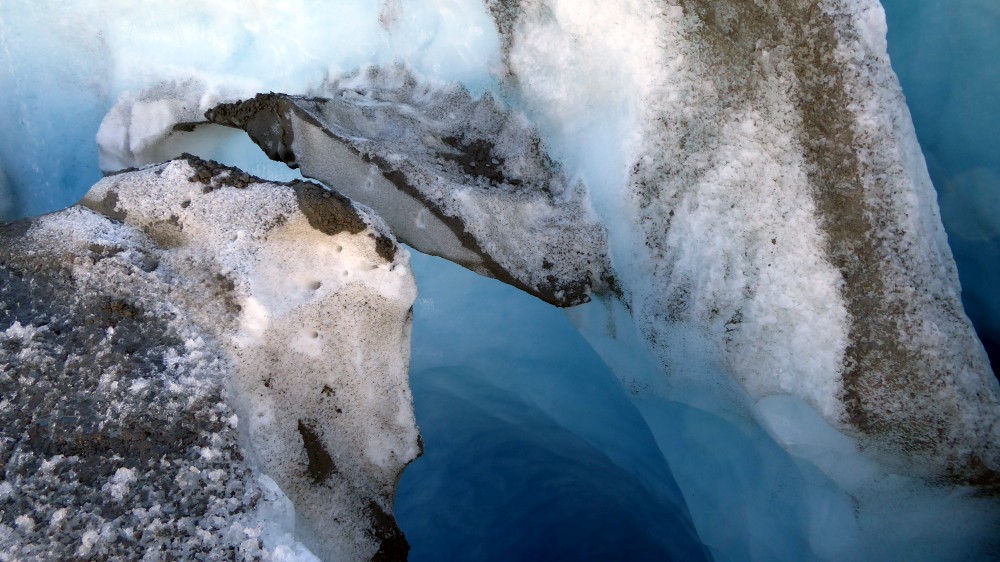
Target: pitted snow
{"points": [[316, 327]]}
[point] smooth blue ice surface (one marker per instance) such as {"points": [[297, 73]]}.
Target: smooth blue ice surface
{"points": [[749, 497], [946, 55], [49, 115], [533, 449]]}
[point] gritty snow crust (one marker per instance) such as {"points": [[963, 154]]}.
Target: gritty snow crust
{"points": [[474, 162], [116, 439], [946, 370], [454, 176], [727, 238], [226, 363]]}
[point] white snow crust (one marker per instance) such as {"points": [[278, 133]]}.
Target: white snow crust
{"points": [[531, 224], [316, 329], [772, 309], [542, 219]]}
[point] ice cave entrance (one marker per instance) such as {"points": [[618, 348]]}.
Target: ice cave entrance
{"points": [[534, 450]]}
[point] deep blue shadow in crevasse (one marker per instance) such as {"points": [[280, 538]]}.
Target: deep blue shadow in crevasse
{"points": [[944, 52], [532, 449]]}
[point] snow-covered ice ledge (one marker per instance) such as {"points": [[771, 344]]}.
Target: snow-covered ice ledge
{"points": [[759, 188], [453, 176]]}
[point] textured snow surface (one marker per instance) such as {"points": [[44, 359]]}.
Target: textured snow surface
{"points": [[293, 307], [116, 438], [453, 176], [7, 201], [721, 132]]}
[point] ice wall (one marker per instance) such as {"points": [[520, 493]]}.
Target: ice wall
{"points": [[204, 296], [945, 56], [785, 216], [767, 202]]}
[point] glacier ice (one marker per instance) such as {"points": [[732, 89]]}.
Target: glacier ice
{"points": [[704, 133], [116, 435], [292, 255], [453, 176], [243, 274], [780, 483], [772, 189]]}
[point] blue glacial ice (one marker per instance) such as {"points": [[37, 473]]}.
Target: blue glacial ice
{"points": [[63, 65], [945, 55], [560, 460]]}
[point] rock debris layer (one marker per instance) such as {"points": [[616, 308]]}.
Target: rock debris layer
{"points": [[183, 340]]}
